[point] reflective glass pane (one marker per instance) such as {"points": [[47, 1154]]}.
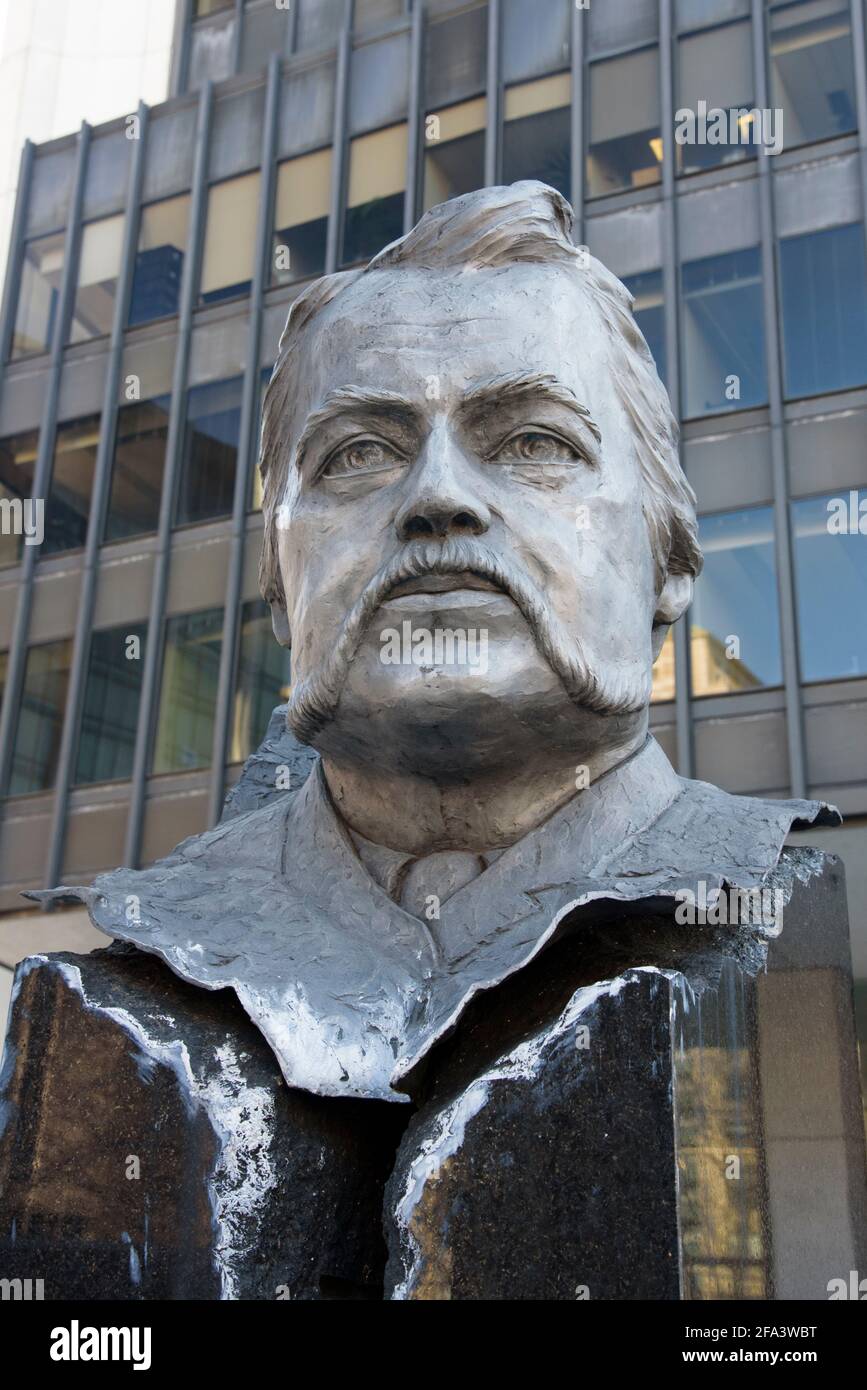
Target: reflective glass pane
{"points": [[188, 691], [159, 262], [301, 208], [663, 672], [110, 708], [36, 744], [98, 269], [230, 238], [38, 295], [454, 153], [812, 79], [536, 133], [455, 58], [203, 7], [722, 333], [649, 312], [535, 38], [734, 619], [824, 305], [715, 69], [17, 466], [625, 148], [262, 680], [137, 470], [67, 509], [830, 554], [374, 203], [210, 451]]}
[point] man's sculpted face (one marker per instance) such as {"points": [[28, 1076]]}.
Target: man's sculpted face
{"points": [[465, 422]]}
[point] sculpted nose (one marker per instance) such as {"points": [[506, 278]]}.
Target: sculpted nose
{"points": [[443, 500]]}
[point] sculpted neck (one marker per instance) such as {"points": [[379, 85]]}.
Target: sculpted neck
{"points": [[491, 810]]}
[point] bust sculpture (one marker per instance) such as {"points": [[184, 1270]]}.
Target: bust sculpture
{"points": [[477, 534]]}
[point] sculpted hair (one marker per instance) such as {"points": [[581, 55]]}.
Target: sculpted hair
{"points": [[524, 222]]}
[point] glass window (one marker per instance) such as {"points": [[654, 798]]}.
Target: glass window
{"points": [[262, 680], [319, 22], [98, 269], [374, 204], [39, 726], [625, 144], [210, 451], [109, 713], [203, 7], [664, 672], [301, 208], [734, 618], [17, 466], [38, 295], [67, 508], [211, 52], [159, 262], [649, 313], [230, 239], [266, 30], [137, 470], [824, 304], [812, 79], [256, 499], [454, 153], [367, 13], [830, 555], [536, 133], [722, 333], [455, 58], [646, 291], [535, 38], [716, 69], [188, 691]]}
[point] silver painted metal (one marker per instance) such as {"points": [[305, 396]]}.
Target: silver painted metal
{"points": [[174, 444], [238, 36], [339, 143], [44, 461], [249, 404], [98, 506], [414, 123], [493, 110], [576, 125], [779, 463]]}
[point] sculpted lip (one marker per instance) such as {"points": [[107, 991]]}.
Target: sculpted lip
{"points": [[443, 584]]}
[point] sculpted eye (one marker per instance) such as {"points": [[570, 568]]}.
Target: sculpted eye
{"points": [[534, 446], [361, 456]]}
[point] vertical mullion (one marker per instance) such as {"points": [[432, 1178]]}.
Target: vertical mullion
{"points": [[576, 130], [16, 252], [237, 39], [44, 461], [96, 519], [413, 126], [249, 400], [334, 240], [174, 446], [779, 466], [860, 55], [182, 35], [494, 105]]}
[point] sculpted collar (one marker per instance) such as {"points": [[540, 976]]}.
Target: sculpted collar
{"points": [[350, 990]]}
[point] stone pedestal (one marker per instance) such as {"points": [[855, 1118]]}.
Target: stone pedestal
{"points": [[645, 1111]]}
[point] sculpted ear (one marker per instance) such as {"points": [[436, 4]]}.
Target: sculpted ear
{"points": [[673, 601], [280, 623]]}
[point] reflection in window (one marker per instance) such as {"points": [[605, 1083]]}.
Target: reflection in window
{"points": [[210, 451], [824, 305], [812, 79], [230, 238], [188, 691], [301, 217], [536, 133], [98, 270], [110, 709], [716, 68], [649, 312], [625, 144], [137, 470], [38, 295], [67, 509], [17, 466], [722, 333], [203, 7], [256, 499], [830, 586], [454, 151], [374, 203], [664, 672], [39, 726], [734, 618], [262, 680], [159, 262]]}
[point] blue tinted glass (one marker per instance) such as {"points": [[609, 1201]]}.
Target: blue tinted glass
{"points": [[734, 619], [722, 333], [824, 310], [210, 451], [111, 700], [830, 553], [538, 147], [646, 290]]}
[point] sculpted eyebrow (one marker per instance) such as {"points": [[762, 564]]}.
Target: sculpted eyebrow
{"points": [[515, 389], [356, 399]]}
